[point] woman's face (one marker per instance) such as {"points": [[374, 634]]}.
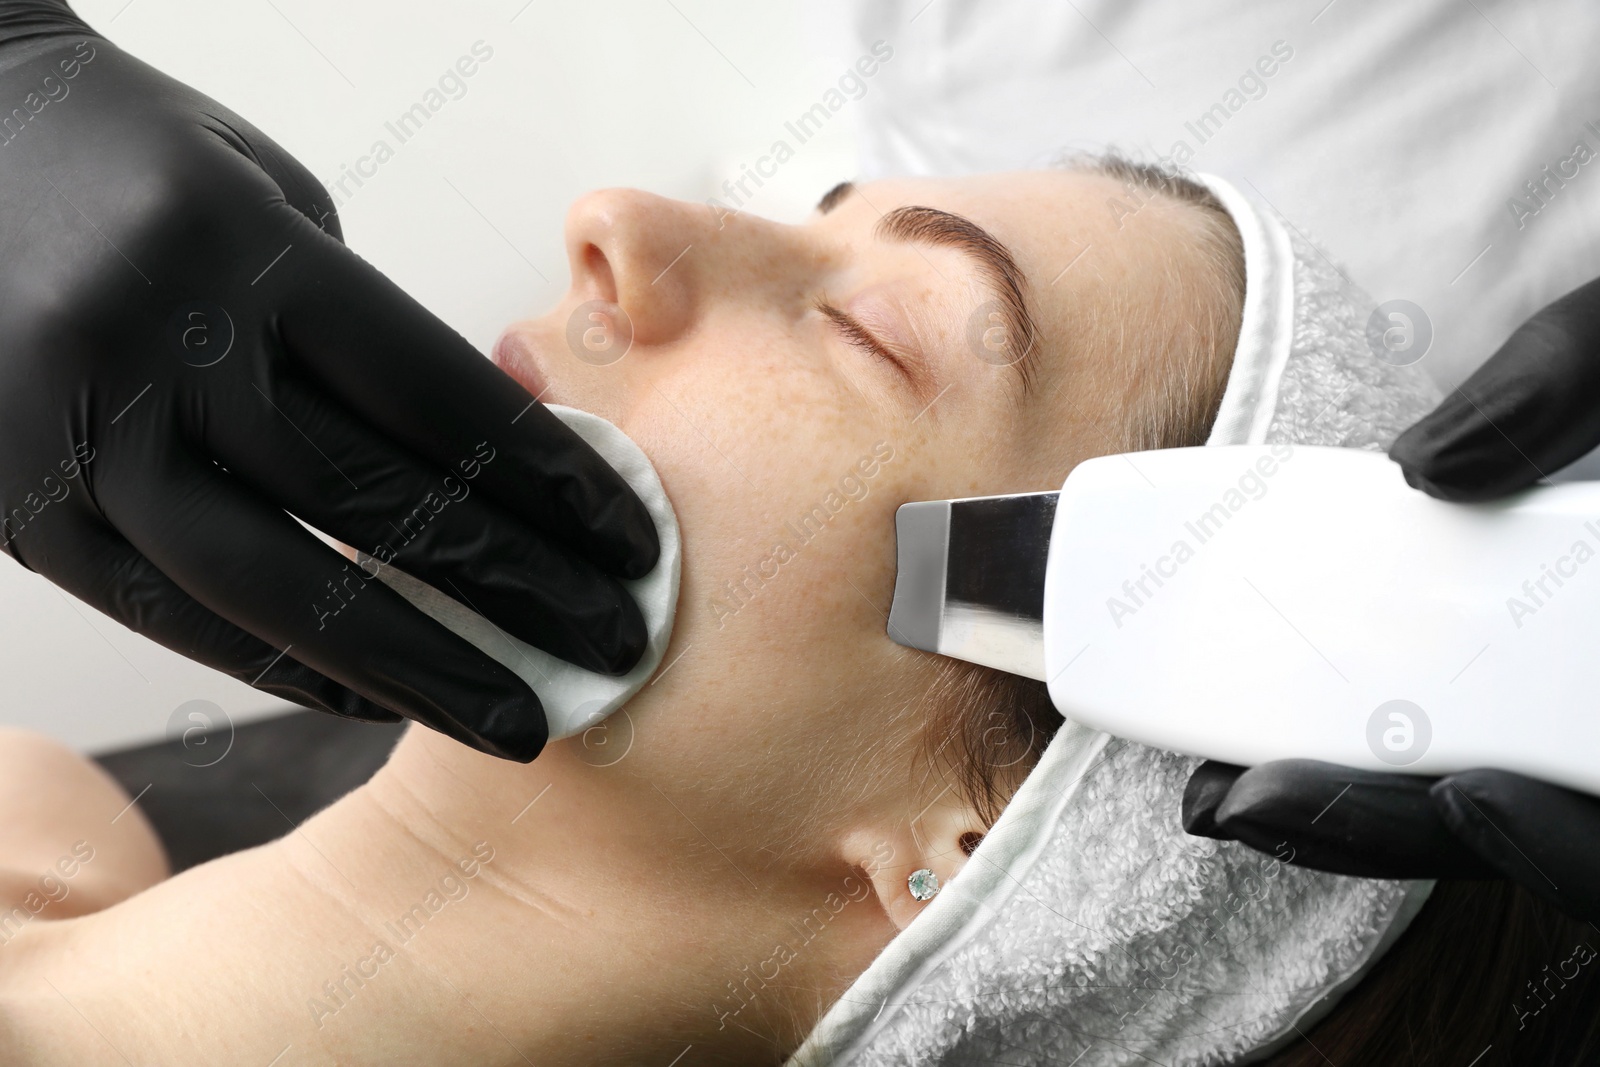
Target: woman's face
{"points": [[794, 385]]}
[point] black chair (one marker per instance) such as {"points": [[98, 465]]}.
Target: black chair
{"points": [[217, 794]]}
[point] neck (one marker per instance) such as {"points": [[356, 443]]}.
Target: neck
{"points": [[590, 916]]}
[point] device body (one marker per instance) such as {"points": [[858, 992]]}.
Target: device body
{"points": [[1253, 603]]}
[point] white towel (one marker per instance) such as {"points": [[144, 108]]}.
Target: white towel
{"points": [[1088, 929]]}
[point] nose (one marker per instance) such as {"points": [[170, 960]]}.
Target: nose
{"points": [[666, 261], [644, 252]]}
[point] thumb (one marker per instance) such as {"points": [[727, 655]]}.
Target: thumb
{"points": [[1533, 408]]}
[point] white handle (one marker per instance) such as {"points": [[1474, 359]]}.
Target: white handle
{"points": [[1252, 603]]}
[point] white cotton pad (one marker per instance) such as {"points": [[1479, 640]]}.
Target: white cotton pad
{"points": [[575, 699]]}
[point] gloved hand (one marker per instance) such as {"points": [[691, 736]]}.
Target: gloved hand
{"points": [[1475, 824], [189, 354], [1531, 409]]}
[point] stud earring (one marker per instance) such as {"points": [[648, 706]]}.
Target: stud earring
{"points": [[923, 884]]}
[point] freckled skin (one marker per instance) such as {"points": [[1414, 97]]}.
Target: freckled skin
{"points": [[769, 766]]}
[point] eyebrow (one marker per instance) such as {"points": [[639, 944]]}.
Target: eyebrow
{"points": [[929, 225]]}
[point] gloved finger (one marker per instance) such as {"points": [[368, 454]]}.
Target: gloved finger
{"points": [[413, 379], [1533, 408], [1545, 837], [1346, 821], [253, 565], [92, 562], [42, 19], [300, 188], [1207, 789], [325, 467]]}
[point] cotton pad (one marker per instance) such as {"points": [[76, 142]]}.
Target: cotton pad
{"points": [[575, 699]]}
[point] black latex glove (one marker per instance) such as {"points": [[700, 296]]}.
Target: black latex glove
{"points": [[188, 353], [1475, 824], [1531, 409]]}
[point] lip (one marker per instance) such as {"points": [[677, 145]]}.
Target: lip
{"points": [[513, 356]]}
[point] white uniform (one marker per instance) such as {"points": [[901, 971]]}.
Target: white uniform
{"points": [[1446, 151]]}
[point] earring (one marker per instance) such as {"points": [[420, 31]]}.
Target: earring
{"points": [[923, 884]]}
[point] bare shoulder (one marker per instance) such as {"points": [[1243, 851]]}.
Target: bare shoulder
{"points": [[71, 840]]}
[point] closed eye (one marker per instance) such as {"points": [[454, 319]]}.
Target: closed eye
{"points": [[857, 334]]}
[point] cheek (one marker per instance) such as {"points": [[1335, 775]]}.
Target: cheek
{"points": [[748, 447], [767, 524], [763, 463]]}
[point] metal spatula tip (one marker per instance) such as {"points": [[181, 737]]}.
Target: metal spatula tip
{"points": [[969, 580]]}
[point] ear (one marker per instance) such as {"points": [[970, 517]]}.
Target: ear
{"points": [[939, 839]]}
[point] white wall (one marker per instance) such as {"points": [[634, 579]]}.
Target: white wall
{"points": [[667, 95]]}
